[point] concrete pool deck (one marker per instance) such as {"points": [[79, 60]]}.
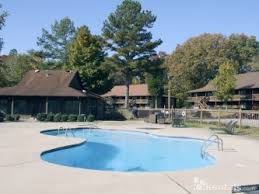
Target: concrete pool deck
{"points": [[22, 170]]}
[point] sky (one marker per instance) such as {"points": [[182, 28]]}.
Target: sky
{"points": [[177, 20]]}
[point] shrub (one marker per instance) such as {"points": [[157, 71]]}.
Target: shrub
{"points": [[2, 116], [57, 117], [16, 117], [41, 116], [72, 118], [64, 118], [9, 118], [49, 117], [81, 118], [90, 118]]}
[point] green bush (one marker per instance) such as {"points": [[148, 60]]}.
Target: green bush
{"points": [[2, 116], [12, 117], [72, 118], [16, 117], [57, 117], [90, 118], [9, 118], [50, 117], [41, 116], [81, 118], [64, 118]]}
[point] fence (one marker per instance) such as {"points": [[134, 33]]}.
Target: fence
{"points": [[244, 118], [221, 116]]}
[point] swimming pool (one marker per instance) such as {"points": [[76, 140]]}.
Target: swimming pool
{"points": [[128, 151]]}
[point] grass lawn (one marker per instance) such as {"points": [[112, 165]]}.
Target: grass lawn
{"points": [[247, 131]]}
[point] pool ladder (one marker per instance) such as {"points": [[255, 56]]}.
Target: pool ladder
{"points": [[87, 128], [66, 130], [212, 139]]}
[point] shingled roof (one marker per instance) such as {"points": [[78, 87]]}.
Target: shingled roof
{"points": [[52, 83], [243, 81], [134, 90]]}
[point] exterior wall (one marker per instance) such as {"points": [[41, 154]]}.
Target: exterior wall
{"points": [[65, 105], [244, 98], [93, 106], [5, 104]]}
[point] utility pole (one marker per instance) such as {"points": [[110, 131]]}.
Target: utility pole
{"points": [[169, 95], [169, 92]]}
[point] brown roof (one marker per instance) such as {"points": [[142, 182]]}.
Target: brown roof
{"points": [[134, 90], [58, 83], [243, 81]]}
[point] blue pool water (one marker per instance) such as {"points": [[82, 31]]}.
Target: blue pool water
{"points": [[128, 152]]}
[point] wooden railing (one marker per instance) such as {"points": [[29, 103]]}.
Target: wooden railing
{"points": [[254, 97], [138, 101]]}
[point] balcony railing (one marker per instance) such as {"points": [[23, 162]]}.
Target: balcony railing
{"points": [[254, 97], [138, 101], [246, 97]]}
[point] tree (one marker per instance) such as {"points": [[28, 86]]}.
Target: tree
{"points": [[130, 42], [86, 55], [224, 82], [194, 63], [3, 77], [54, 44], [3, 81], [156, 78], [254, 64], [17, 65], [3, 15], [240, 49], [13, 52], [155, 86]]}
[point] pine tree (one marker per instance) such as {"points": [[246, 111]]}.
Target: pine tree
{"points": [[86, 55], [130, 42]]}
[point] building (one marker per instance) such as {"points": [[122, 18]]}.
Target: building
{"points": [[50, 91], [246, 94], [139, 96]]}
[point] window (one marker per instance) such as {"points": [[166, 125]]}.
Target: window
{"points": [[201, 94], [256, 91], [245, 91]]}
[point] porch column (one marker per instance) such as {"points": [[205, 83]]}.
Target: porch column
{"points": [[79, 106], [239, 101], [47, 105], [155, 102], [12, 106]]}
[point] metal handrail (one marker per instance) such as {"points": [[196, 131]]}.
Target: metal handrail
{"points": [[212, 139], [59, 129], [71, 130], [88, 127]]}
